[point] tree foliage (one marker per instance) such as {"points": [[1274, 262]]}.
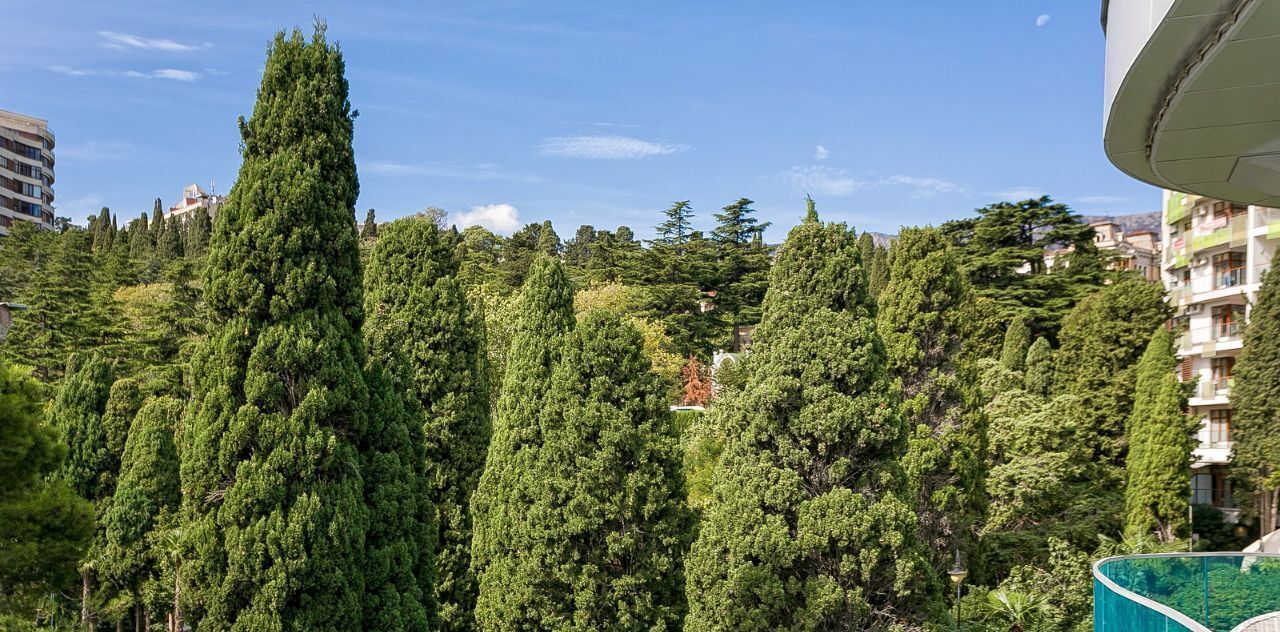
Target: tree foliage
{"points": [[274, 508], [805, 529], [1161, 438], [421, 323], [1017, 343], [1256, 399]]}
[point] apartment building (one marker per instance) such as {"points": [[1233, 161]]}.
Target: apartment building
{"points": [[1215, 254], [1138, 251], [194, 199], [26, 171]]}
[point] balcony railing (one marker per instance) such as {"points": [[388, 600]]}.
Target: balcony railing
{"points": [[1211, 388], [1194, 592], [1229, 278], [1218, 332], [1233, 231]]}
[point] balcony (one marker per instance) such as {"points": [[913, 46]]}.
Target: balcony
{"points": [[1193, 592], [1219, 232], [1216, 333]]}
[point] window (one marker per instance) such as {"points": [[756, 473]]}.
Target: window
{"points": [[1210, 489], [1226, 320], [1221, 368], [1228, 269], [1219, 427], [1227, 209]]}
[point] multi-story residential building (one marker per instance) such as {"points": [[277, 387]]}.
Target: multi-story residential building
{"points": [[26, 171], [1215, 255], [1137, 251], [194, 199]]}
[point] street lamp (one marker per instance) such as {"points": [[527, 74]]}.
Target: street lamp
{"points": [[957, 575]]}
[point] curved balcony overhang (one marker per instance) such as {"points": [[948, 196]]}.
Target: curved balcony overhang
{"points": [[1192, 99]]}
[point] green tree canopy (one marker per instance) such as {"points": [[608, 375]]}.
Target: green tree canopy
{"points": [[420, 320], [1017, 342], [920, 320], [1256, 399], [1038, 379], [1161, 437], [274, 503], [806, 529]]}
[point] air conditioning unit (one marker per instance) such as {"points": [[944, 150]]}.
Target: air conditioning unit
{"points": [[1194, 308]]}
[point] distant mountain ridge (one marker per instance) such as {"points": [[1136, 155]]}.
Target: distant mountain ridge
{"points": [[1132, 223]]}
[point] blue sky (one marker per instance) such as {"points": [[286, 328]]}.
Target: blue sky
{"points": [[887, 113]]}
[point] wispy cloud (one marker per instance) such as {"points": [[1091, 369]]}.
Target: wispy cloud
{"points": [[482, 171], [1042, 20], [822, 180], [1017, 193], [125, 41], [820, 152], [499, 218], [825, 180], [172, 74], [94, 150], [606, 147], [1102, 199], [80, 208]]}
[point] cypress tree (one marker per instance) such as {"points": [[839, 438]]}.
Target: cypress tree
{"points": [[197, 243], [369, 231], [920, 320], [156, 227], [419, 317], [123, 401], [91, 464], [805, 528], [1038, 378], [609, 528], [1161, 438], [46, 526], [1256, 399], [145, 500], [1017, 341], [499, 507], [169, 246], [1101, 342], [103, 230], [273, 497]]}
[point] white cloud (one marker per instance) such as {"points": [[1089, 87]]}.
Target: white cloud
{"points": [[122, 41], [1042, 20], [825, 180], [605, 147], [482, 171], [172, 74], [94, 151], [499, 218], [820, 152], [1017, 193], [822, 180]]}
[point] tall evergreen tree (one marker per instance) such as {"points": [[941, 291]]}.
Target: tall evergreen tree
{"points": [[920, 320], [1038, 377], [419, 317], [103, 230], [1003, 252], [197, 243], [1256, 399], [502, 525], [273, 497], [577, 251], [1017, 342], [806, 529], [1161, 438], [676, 228], [369, 230], [609, 529], [146, 499], [743, 269], [169, 248], [156, 226], [46, 526], [876, 261], [1102, 340], [57, 292]]}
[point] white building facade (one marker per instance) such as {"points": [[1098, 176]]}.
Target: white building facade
{"points": [[1215, 254]]}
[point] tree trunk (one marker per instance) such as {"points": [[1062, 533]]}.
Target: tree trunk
{"points": [[1267, 511], [137, 614], [177, 611], [120, 624], [86, 621]]}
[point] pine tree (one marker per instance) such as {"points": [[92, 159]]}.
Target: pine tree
{"points": [[697, 388], [1017, 342], [419, 317], [920, 320], [273, 496], [169, 248], [1161, 438], [47, 526], [608, 528], [806, 529], [1038, 377], [1256, 399], [57, 293], [145, 500], [678, 225], [369, 230], [743, 268], [499, 507]]}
